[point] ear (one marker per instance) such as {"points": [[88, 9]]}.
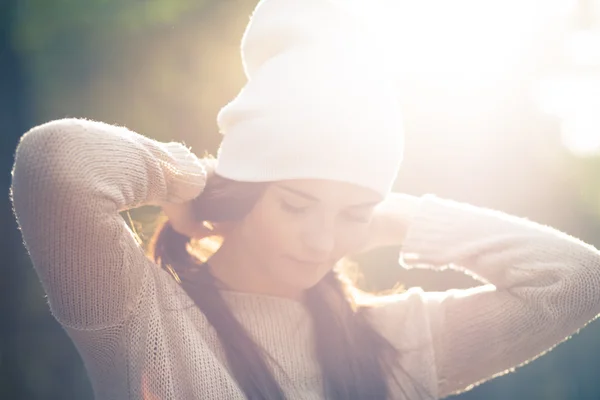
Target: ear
{"points": [[222, 229], [370, 241]]}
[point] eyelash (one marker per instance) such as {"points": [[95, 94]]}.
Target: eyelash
{"points": [[291, 209], [299, 210], [360, 220]]}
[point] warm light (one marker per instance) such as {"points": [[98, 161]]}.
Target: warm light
{"points": [[583, 48], [461, 44], [568, 96], [468, 46], [581, 134], [576, 102], [574, 96]]}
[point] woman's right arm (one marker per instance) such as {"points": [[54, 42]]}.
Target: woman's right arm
{"points": [[70, 180]]}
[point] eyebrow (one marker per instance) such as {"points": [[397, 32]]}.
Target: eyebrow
{"points": [[313, 198]]}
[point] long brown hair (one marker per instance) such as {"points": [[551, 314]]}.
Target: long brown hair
{"points": [[355, 359]]}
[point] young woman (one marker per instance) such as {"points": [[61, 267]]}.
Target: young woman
{"points": [[310, 151]]}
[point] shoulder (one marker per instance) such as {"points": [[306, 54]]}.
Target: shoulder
{"points": [[402, 317], [406, 321]]}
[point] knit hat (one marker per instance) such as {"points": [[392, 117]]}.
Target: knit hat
{"points": [[318, 102]]}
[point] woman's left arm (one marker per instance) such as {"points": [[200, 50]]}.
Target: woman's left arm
{"points": [[542, 286]]}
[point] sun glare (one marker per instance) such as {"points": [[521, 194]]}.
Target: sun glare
{"points": [[466, 47], [463, 44], [575, 100], [581, 135]]}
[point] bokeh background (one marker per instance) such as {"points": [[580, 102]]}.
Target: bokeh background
{"points": [[502, 106]]}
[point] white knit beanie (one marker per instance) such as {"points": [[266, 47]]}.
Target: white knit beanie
{"points": [[318, 103]]}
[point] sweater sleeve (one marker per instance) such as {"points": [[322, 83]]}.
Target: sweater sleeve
{"points": [[70, 180], [541, 286]]}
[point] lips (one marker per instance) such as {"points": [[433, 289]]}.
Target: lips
{"points": [[318, 262]]}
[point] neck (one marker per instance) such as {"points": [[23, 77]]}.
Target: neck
{"points": [[237, 269]]}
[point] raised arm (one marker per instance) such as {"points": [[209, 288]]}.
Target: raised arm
{"points": [[539, 286], [70, 180], [545, 288]]}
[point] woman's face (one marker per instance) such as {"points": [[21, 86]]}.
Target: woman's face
{"points": [[299, 229]]}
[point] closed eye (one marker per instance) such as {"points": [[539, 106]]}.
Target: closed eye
{"points": [[292, 209], [360, 219]]}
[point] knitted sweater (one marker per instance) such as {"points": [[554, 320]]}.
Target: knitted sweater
{"points": [[140, 335]]}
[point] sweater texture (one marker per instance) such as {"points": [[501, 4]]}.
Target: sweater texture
{"points": [[141, 337]]}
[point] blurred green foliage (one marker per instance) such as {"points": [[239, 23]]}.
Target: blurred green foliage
{"points": [[140, 63], [40, 24], [58, 36]]}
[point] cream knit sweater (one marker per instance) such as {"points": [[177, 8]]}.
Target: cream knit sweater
{"points": [[140, 336]]}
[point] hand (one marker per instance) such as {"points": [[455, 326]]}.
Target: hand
{"points": [[391, 220], [181, 215], [181, 218]]}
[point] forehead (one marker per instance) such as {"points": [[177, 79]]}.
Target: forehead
{"points": [[328, 191]]}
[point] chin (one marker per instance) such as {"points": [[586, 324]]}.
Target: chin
{"points": [[303, 278]]}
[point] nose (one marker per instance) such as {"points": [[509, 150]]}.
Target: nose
{"points": [[319, 240]]}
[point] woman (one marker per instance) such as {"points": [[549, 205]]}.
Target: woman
{"points": [[310, 151]]}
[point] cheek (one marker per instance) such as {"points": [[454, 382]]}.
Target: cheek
{"points": [[268, 232], [351, 238]]}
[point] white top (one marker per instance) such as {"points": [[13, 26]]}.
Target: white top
{"points": [[141, 336]]}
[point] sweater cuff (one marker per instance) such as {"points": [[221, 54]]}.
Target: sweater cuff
{"points": [[441, 229], [185, 173]]}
